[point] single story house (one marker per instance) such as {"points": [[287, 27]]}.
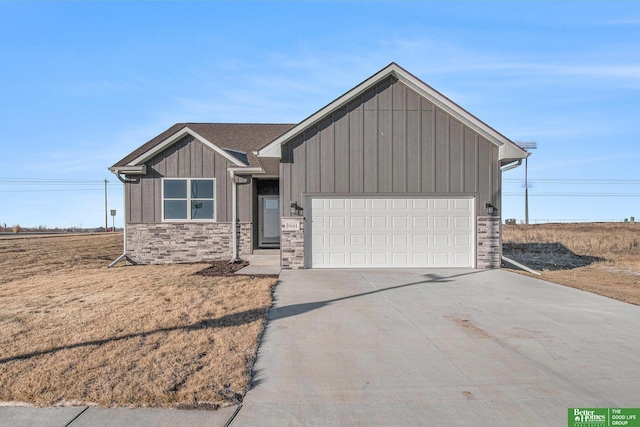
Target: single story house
{"points": [[390, 174]]}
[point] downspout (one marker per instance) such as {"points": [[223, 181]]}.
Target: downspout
{"points": [[124, 234], [506, 168], [234, 220]]}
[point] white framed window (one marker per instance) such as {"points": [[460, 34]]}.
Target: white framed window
{"points": [[188, 199]]}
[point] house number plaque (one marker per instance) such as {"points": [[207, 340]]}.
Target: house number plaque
{"points": [[290, 225]]}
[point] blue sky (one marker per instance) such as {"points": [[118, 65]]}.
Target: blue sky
{"points": [[84, 83]]}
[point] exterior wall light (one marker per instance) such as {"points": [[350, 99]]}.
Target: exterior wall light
{"points": [[490, 209], [295, 209]]}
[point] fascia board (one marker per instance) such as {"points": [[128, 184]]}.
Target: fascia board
{"points": [[130, 170], [175, 137], [245, 170], [273, 149], [469, 120]]}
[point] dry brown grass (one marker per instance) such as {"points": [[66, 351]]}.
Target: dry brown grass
{"points": [[603, 258], [73, 331]]}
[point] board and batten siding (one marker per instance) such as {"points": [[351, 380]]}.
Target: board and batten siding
{"points": [[187, 158], [390, 140]]}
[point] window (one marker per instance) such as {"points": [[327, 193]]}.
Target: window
{"points": [[188, 199]]}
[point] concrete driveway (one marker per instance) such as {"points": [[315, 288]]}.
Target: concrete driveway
{"points": [[439, 347]]}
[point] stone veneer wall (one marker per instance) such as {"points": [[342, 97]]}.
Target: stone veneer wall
{"points": [[292, 245], [489, 245], [168, 243]]}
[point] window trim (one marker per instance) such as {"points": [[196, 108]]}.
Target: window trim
{"points": [[188, 200]]}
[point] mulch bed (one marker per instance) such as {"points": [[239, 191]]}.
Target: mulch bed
{"points": [[225, 269]]}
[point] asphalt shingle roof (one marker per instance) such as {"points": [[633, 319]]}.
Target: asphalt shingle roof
{"points": [[242, 137]]}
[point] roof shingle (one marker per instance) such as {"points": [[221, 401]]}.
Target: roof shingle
{"points": [[243, 137]]}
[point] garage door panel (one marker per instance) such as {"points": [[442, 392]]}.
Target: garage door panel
{"points": [[379, 221], [380, 204], [441, 204], [462, 259], [441, 259], [337, 222], [391, 232], [379, 258], [317, 204], [421, 258], [461, 240], [462, 222], [399, 240], [399, 259], [441, 240], [378, 240], [420, 204], [337, 240], [462, 204], [441, 222], [319, 222], [358, 222], [358, 204], [358, 240], [338, 259], [420, 222], [399, 203], [318, 259], [420, 240]]}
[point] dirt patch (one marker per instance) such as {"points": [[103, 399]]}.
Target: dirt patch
{"points": [[72, 330], [226, 269], [546, 256], [223, 268], [469, 328], [603, 258]]}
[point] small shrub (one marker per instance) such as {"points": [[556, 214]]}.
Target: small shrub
{"points": [[17, 229]]}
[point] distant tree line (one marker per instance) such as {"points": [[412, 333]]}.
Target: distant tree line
{"points": [[4, 228]]}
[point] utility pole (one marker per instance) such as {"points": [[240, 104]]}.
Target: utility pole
{"points": [[106, 223], [527, 146]]}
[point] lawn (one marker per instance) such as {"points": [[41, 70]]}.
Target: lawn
{"points": [[73, 331], [603, 258]]}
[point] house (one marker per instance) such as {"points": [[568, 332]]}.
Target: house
{"points": [[390, 174]]}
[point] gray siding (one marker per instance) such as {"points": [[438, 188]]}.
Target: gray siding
{"points": [[188, 158], [390, 140]]}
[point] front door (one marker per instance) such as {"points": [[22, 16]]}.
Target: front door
{"points": [[269, 221]]}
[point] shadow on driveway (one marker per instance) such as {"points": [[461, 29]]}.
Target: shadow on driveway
{"points": [[296, 309]]}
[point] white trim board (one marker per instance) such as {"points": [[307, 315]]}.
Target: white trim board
{"points": [[507, 149], [175, 138]]}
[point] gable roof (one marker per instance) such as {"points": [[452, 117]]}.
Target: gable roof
{"points": [[508, 150], [234, 141]]}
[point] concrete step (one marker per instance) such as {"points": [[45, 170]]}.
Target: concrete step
{"points": [[264, 257]]}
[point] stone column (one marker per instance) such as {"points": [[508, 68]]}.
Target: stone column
{"points": [[292, 243], [488, 242]]}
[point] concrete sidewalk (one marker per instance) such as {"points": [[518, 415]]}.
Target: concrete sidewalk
{"points": [[441, 348], [83, 416]]}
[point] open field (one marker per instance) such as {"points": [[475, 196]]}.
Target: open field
{"points": [[602, 258], [73, 331]]}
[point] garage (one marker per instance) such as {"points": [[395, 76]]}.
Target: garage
{"points": [[390, 232]]}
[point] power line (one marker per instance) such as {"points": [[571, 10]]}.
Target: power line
{"points": [[576, 194], [58, 190], [576, 181], [51, 180]]}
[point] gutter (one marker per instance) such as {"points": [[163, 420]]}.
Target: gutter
{"points": [[509, 167], [117, 171]]}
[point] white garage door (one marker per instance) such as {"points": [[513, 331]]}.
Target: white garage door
{"points": [[390, 232]]}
